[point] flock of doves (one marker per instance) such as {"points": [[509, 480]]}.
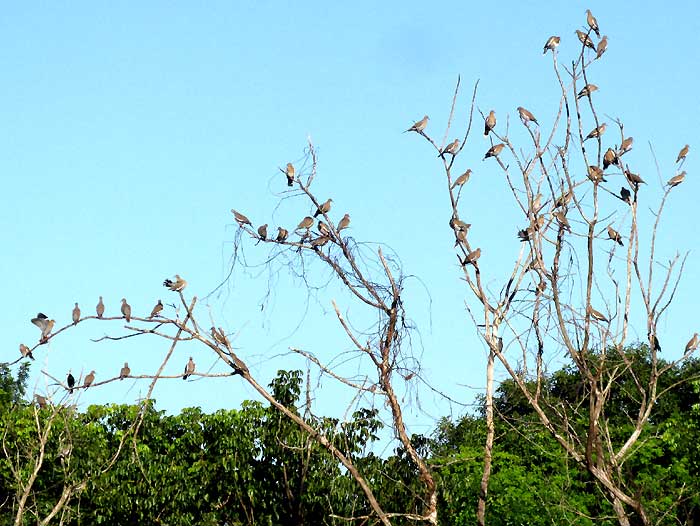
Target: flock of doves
{"points": [[46, 325]]}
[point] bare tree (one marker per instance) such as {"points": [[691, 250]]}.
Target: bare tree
{"points": [[577, 273]]}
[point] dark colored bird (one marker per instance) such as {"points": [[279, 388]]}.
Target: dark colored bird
{"points": [[552, 42], [592, 22], [282, 234], [157, 309], [289, 173], [461, 179], [596, 132], [654, 342], [100, 308], [615, 236], [344, 222], [89, 379], [585, 39], [125, 371], [625, 195], [610, 157], [526, 234], [420, 125], [25, 351], [586, 90], [70, 381], [189, 369], [682, 154], [324, 208], [692, 343], [596, 315], [490, 122], [450, 148], [126, 310], [495, 150], [262, 231], [526, 116], [240, 218], [76, 314], [176, 285], [602, 46], [676, 179]]}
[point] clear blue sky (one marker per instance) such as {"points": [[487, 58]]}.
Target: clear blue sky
{"points": [[129, 131]]}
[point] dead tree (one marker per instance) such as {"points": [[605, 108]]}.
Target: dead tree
{"points": [[578, 269]]}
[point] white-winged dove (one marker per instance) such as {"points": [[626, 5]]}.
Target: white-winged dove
{"points": [[526, 116], [682, 154], [610, 157], [289, 173], [100, 308], [282, 234], [495, 150], [344, 222], [189, 369], [262, 231], [692, 343], [450, 148], [305, 223], [592, 22], [89, 379], [585, 39], [125, 371], [602, 47], [323, 208], [126, 310], [596, 132], [240, 218], [490, 122], [676, 179], [76, 314], [626, 145], [25, 351], [615, 236], [552, 42], [596, 315], [420, 125], [157, 309], [586, 90], [176, 285], [461, 179]]}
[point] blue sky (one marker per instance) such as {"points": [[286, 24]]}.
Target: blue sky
{"points": [[129, 131]]}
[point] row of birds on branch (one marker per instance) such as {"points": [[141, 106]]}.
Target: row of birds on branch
{"points": [[124, 372], [584, 38], [324, 235]]}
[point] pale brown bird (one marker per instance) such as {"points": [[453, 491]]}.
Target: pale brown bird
{"points": [[692, 343], [615, 236], [262, 231], [324, 208], [189, 369], [420, 125], [461, 179], [494, 151], [100, 309], [676, 179], [595, 174], [76, 314], [126, 310], [472, 257], [320, 241], [626, 145], [490, 122], [323, 229], [596, 315], [282, 234], [526, 116], [562, 220], [592, 22], [219, 336], [344, 222], [47, 331], [602, 47], [157, 309], [633, 178], [305, 223], [450, 148], [625, 195], [89, 379], [240, 218], [45, 324], [585, 39], [596, 132], [610, 157], [41, 401], [125, 371], [25, 351], [289, 172], [176, 285], [564, 199], [586, 90], [459, 225], [552, 42], [682, 154]]}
